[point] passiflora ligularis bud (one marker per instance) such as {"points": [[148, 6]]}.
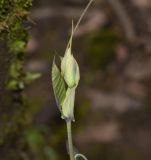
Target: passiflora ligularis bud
{"points": [[70, 69], [65, 81]]}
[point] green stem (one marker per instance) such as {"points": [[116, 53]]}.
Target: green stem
{"points": [[70, 145]]}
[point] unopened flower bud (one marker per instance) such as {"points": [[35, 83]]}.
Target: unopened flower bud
{"points": [[70, 69]]}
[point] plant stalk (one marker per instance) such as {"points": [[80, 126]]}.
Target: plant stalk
{"points": [[70, 144]]}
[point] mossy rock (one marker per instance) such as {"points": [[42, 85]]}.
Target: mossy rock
{"points": [[14, 114]]}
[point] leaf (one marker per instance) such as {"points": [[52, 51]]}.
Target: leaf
{"points": [[58, 85]]}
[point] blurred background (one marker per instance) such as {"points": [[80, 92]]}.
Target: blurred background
{"points": [[113, 101]]}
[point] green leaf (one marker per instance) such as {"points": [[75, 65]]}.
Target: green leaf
{"points": [[58, 85]]}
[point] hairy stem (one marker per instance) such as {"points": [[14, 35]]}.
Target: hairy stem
{"points": [[70, 145]]}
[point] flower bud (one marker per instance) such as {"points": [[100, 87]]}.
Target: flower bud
{"points": [[70, 69]]}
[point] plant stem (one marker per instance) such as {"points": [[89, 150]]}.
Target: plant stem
{"points": [[70, 145]]}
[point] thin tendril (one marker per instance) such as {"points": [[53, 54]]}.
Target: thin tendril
{"points": [[80, 155], [82, 15], [77, 24]]}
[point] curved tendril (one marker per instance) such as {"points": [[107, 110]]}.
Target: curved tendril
{"points": [[77, 24], [80, 155], [82, 15]]}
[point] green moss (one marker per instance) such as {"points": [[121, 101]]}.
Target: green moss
{"points": [[15, 115], [13, 13]]}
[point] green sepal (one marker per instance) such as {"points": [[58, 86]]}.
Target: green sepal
{"points": [[58, 85], [68, 105]]}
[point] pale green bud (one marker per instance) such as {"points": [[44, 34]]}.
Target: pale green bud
{"points": [[70, 69]]}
